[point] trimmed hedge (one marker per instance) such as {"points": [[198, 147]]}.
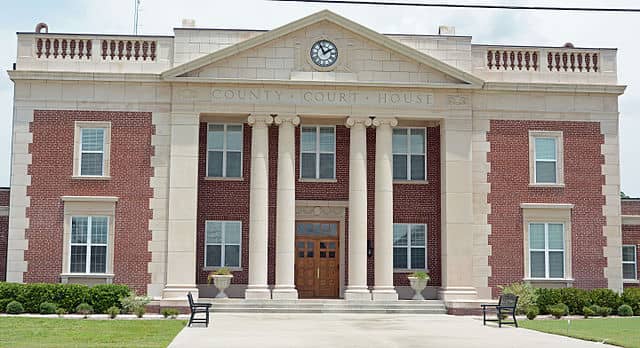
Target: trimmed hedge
{"points": [[631, 297], [66, 296], [577, 299]]}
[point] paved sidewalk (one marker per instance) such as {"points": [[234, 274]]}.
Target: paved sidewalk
{"points": [[362, 330]]}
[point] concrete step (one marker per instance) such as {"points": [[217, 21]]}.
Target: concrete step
{"points": [[325, 306]]}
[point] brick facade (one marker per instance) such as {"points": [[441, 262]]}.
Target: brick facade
{"points": [[4, 232], [631, 233], [631, 206], [509, 179], [51, 177]]}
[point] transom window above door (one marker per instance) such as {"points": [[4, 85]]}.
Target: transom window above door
{"points": [[409, 154], [317, 152], [224, 150]]}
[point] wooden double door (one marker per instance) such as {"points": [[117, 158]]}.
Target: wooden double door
{"points": [[317, 266]]}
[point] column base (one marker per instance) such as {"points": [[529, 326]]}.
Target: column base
{"points": [[357, 293], [384, 293], [176, 295], [284, 293], [458, 293], [257, 292]]}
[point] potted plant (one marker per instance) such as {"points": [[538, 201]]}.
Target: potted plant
{"points": [[418, 281], [221, 280]]}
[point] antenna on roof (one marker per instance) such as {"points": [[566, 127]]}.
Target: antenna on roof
{"points": [[136, 5]]}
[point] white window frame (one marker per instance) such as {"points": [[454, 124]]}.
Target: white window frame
{"points": [[318, 152], [634, 262], [222, 244], [80, 126], [559, 160], [409, 247], [225, 150], [409, 153], [90, 244], [547, 250]]}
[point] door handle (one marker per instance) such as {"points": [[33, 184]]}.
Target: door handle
{"points": [[318, 273]]}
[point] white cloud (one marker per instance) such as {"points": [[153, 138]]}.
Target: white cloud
{"points": [[486, 26]]}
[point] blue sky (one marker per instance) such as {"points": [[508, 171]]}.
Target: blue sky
{"points": [[486, 26]]}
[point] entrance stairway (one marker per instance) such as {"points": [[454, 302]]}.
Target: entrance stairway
{"points": [[325, 306]]}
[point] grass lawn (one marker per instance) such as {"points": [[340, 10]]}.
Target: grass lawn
{"points": [[49, 332], [623, 332]]}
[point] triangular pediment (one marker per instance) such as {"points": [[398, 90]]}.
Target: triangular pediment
{"points": [[363, 56]]}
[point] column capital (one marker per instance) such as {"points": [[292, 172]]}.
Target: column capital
{"points": [[354, 121], [382, 121], [294, 120], [260, 120]]}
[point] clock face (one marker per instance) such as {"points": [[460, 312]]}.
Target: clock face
{"points": [[324, 53]]}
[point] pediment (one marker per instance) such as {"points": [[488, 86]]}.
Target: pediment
{"points": [[363, 56]]}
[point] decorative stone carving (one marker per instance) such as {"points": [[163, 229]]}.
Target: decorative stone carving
{"points": [[355, 121], [380, 121], [256, 121], [457, 100], [287, 119]]}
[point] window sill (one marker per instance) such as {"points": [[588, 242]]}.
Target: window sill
{"points": [[411, 182], [550, 280], [216, 178], [90, 177], [409, 270], [631, 281], [534, 185], [318, 180], [232, 269], [64, 277]]}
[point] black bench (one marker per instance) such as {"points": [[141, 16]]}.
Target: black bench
{"points": [[198, 308], [506, 306]]}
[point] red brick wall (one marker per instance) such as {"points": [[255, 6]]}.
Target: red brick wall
{"points": [[631, 236], [51, 171], [509, 178], [223, 200], [4, 234], [631, 206], [229, 199]]}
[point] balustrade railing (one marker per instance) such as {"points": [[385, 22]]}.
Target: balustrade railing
{"points": [[82, 49], [558, 60]]}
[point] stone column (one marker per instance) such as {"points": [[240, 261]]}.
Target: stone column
{"points": [[357, 285], [259, 208], [383, 244], [183, 204], [457, 210], [285, 288]]}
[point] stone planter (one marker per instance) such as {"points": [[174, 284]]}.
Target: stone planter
{"points": [[418, 285], [222, 282]]}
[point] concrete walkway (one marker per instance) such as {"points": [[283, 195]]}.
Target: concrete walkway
{"points": [[362, 330]]}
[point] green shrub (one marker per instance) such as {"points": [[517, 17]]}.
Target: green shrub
{"points": [[61, 311], [558, 310], [132, 302], [546, 298], [9, 291], [32, 295], [15, 307], [532, 312], [625, 311], [170, 312], [104, 296], [140, 311], [526, 295], [69, 296], [48, 308], [604, 311], [3, 304], [588, 312], [575, 299], [630, 296], [113, 312], [605, 298], [84, 309]]}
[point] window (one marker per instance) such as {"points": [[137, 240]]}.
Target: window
{"points": [[409, 153], [92, 151], [224, 150], [317, 152], [222, 243], [89, 244], [546, 250], [629, 263], [409, 246], [546, 158]]}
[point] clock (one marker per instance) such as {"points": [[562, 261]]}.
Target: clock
{"points": [[324, 53]]}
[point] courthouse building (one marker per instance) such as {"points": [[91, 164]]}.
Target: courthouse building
{"points": [[318, 159]]}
